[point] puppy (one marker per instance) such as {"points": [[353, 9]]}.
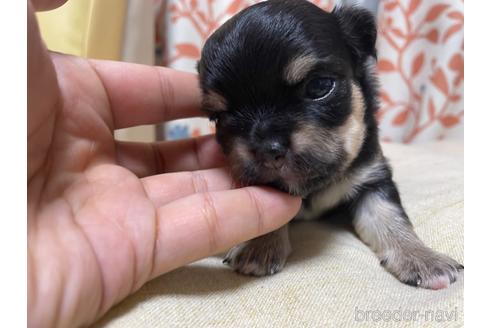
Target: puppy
{"points": [[293, 93]]}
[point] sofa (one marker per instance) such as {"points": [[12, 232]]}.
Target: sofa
{"points": [[331, 279]]}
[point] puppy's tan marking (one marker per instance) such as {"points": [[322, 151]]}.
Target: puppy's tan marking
{"points": [[241, 152], [297, 69], [345, 188], [214, 102], [350, 135], [239, 156], [353, 131], [313, 139]]}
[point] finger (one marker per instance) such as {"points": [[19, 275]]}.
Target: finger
{"points": [[40, 5], [207, 223], [145, 159], [165, 188], [42, 95], [141, 94]]}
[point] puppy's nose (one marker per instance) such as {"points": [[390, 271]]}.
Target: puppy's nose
{"points": [[273, 154]]}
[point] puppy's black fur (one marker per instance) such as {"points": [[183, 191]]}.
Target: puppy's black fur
{"points": [[293, 94]]}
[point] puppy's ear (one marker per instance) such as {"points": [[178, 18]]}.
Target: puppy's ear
{"points": [[359, 28]]}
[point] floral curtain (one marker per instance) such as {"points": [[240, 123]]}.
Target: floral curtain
{"points": [[420, 60]]}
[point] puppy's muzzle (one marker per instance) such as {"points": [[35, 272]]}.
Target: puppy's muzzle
{"points": [[271, 153], [268, 143]]}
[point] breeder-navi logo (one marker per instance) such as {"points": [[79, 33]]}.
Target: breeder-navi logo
{"points": [[402, 315]]}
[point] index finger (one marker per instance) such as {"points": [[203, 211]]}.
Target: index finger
{"points": [[207, 223], [140, 94]]}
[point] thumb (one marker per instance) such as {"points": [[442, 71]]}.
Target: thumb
{"points": [[47, 4]]}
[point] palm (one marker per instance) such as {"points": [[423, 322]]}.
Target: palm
{"points": [[103, 208]]}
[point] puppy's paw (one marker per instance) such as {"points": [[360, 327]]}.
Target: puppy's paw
{"points": [[259, 257], [422, 267], [249, 259]]}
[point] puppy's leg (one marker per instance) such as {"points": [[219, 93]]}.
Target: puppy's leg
{"points": [[261, 256], [382, 223]]}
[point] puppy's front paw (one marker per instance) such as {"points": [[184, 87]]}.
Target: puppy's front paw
{"points": [[262, 256], [250, 259], [422, 267]]}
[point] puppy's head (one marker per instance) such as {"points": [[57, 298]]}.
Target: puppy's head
{"points": [[282, 80]]}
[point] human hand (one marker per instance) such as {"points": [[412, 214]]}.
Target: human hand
{"points": [[102, 218]]}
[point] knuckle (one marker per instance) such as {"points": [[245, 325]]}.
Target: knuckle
{"points": [[209, 212], [199, 182], [258, 210], [167, 92]]}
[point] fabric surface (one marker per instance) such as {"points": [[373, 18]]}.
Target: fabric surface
{"points": [[420, 50], [421, 62], [331, 279], [138, 47], [139, 33], [85, 28]]}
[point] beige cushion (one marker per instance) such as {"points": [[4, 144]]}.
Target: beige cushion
{"points": [[332, 279]]}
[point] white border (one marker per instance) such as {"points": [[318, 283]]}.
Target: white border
{"points": [[478, 120], [14, 165], [478, 164]]}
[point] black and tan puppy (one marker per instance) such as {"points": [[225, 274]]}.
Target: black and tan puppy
{"points": [[293, 94]]}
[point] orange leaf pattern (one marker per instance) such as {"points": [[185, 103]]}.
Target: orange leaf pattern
{"points": [[449, 120], [452, 30], [422, 98], [418, 61], [420, 50], [401, 118], [432, 109], [432, 36], [440, 81], [435, 11], [385, 65], [187, 50], [413, 5]]}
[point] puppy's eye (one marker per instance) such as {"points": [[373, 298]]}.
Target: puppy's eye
{"points": [[319, 88]]}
